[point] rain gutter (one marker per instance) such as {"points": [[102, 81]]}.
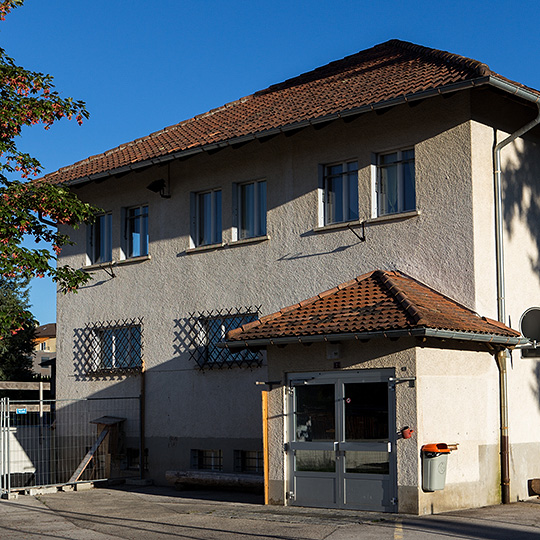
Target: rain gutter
{"points": [[494, 339]]}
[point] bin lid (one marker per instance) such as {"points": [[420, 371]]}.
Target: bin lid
{"points": [[440, 448]]}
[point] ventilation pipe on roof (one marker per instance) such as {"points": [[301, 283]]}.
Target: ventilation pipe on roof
{"points": [[501, 356]]}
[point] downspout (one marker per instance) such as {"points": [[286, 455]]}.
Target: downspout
{"points": [[502, 355]]}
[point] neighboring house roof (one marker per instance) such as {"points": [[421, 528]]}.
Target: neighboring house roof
{"points": [[46, 331], [377, 304], [387, 74]]}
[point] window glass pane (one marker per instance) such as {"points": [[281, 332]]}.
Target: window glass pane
{"points": [[386, 159], [335, 199], [366, 411], [315, 460], [134, 232], [144, 231], [315, 412], [102, 239], [409, 196], [388, 189], [352, 198], [247, 210], [205, 219], [261, 226], [367, 462], [216, 234]]}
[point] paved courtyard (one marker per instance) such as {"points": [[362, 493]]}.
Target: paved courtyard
{"points": [[162, 513]]}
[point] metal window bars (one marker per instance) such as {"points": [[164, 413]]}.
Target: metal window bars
{"points": [[206, 329]]}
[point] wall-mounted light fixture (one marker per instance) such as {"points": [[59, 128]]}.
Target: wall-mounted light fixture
{"points": [[159, 186]]}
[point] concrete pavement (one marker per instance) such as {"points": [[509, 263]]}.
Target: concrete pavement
{"points": [[163, 513]]}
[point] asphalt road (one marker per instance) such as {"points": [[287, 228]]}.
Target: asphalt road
{"points": [[161, 513]]}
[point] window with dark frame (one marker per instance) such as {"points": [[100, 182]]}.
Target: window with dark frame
{"points": [[208, 227], [136, 231], [248, 461], [111, 346], [252, 209], [206, 331], [100, 239], [396, 190], [207, 460], [340, 189]]}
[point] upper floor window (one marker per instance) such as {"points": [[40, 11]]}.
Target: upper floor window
{"points": [[340, 188], [395, 182], [100, 239], [136, 231], [206, 218], [251, 209]]}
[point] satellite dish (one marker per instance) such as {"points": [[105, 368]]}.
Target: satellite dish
{"points": [[529, 324]]}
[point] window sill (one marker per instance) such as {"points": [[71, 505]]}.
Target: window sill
{"points": [[338, 226], [109, 264], [244, 241], [224, 245], [393, 217], [202, 249]]}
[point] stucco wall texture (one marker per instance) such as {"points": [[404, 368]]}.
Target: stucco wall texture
{"points": [[447, 244]]}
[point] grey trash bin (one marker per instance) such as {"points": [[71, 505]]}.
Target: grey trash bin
{"points": [[434, 463]]}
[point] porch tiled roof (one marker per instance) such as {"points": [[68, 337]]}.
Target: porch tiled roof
{"points": [[395, 70], [379, 301]]}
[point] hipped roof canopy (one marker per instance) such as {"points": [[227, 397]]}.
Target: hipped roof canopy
{"points": [[374, 305]]}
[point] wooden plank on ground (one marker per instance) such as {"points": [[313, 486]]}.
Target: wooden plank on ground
{"points": [[86, 460]]}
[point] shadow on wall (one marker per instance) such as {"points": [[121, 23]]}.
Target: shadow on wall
{"points": [[521, 191]]}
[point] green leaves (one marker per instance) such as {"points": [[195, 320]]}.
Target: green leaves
{"points": [[32, 208]]}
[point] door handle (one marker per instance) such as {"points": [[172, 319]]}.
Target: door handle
{"points": [[336, 446]]}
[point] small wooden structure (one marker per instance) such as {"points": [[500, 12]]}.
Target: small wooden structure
{"points": [[108, 436]]}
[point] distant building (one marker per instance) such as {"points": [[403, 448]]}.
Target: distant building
{"points": [[44, 349]]}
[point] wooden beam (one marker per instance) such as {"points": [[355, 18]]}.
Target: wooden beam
{"points": [[12, 385], [86, 460]]}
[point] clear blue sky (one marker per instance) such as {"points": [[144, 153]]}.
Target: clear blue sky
{"points": [[142, 65]]}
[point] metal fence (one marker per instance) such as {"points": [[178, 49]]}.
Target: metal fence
{"points": [[62, 442]]}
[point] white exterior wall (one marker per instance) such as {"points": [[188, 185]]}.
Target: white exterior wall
{"points": [[459, 397], [442, 246], [520, 173]]}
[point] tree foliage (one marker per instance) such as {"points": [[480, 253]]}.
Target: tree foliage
{"points": [[32, 208], [16, 350]]}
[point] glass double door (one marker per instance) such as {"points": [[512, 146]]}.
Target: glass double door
{"points": [[341, 447]]}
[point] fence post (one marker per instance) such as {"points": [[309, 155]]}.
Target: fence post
{"points": [[2, 447], [8, 452]]}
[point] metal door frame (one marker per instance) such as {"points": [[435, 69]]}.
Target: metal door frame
{"points": [[339, 379]]}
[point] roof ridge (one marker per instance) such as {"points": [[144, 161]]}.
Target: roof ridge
{"points": [[481, 68], [402, 299]]}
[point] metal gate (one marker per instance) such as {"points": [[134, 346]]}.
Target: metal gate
{"points": [[61, 442]]}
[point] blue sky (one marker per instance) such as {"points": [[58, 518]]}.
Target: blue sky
{"points": [[141, 66]]}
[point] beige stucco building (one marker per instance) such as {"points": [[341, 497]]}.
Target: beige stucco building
{"points": [[383, 160]]}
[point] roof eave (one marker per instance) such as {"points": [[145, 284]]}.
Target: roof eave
{"points": [[494, 339], [406, 98]]}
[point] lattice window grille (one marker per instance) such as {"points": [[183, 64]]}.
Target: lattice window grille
{"points": [[208, 328], [114, 346]]}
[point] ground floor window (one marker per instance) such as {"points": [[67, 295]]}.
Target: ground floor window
{"points": [[207, 460], [248, 461]]}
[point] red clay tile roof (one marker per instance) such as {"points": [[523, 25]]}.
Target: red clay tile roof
{"points": [[379, 301], [391, 72]]}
